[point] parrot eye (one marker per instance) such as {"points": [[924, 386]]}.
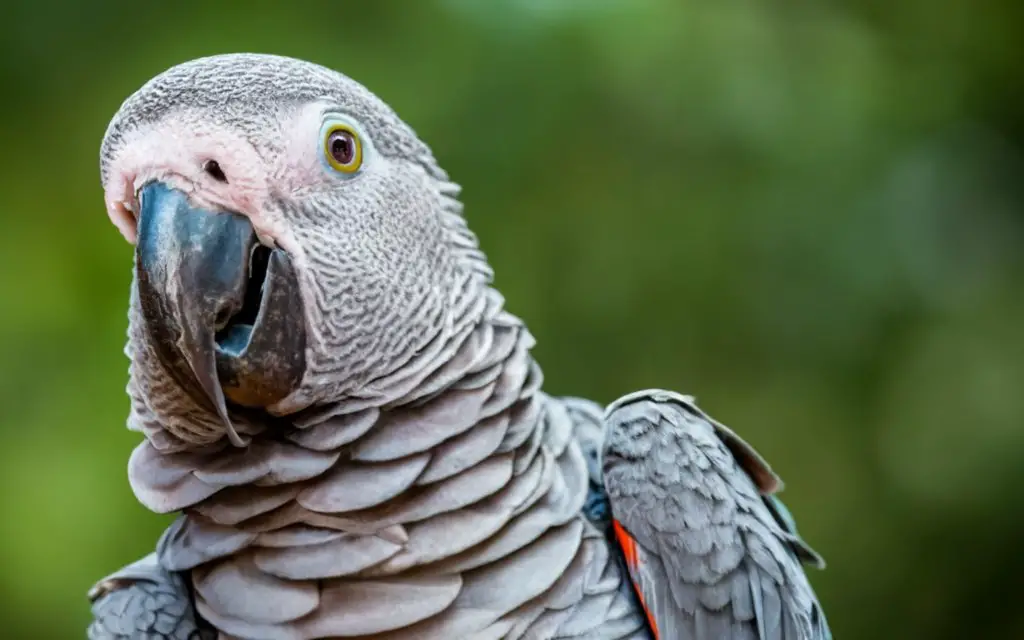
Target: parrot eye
{"points": [[343, 149]]}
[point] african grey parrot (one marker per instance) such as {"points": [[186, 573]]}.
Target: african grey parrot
{"points": [[351, 427]]}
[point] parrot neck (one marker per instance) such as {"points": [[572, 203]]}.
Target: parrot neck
{"points": [[446, 469]]}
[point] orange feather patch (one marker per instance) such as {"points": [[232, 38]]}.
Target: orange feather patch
{"points": [[632, 555]]}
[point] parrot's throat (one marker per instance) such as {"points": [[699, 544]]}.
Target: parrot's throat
{"points": [[469, 464]]}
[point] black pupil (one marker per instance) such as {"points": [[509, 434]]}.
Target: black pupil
{"points": [[342, 149]]}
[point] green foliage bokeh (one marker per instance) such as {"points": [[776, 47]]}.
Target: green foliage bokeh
{"points": [[810, 215]]}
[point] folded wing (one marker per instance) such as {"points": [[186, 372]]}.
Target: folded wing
{"points": [[712, 553]]}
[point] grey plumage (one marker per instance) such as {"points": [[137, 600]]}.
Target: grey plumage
{"points": [[470, 514], [718, 557], [143, 600], [416, 482]]}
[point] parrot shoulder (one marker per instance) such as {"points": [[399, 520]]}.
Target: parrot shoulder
{"points": [[711, 551]]}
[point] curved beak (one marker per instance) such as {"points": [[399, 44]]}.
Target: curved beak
{"points": [[223, 310]]}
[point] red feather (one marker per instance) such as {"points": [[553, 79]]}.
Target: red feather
{"points": [[631, 552]]}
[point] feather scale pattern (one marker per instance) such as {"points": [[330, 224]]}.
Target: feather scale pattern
{"points": [[451, 508]]}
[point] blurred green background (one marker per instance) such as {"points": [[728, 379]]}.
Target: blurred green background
{"points": [[808, 214]]}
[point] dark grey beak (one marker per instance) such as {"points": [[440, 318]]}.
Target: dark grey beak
{"points": [[224, 311]]}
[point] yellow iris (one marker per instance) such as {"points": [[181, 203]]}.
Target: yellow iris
{"points": [[343, 149]]}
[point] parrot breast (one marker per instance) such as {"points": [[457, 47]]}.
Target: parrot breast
{"points": [[455, 508]]}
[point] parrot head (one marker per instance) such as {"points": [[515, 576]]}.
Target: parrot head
{"points": [[294, 241]]}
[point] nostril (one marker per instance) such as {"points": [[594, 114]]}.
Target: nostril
{"points": [[212, 167]]}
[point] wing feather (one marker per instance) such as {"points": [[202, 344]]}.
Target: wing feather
{"points": [[143, 600], [711, 552]]}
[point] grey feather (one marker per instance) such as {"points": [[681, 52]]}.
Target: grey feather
{"points": [[190, 541], [334, 432], [523, 424], [369, 606], [344, 556], [296, 536], [466, 450], [465, 359], [236, 504], [239, 589], [717, 556], [361, 486], [144, 600], [446, 496], [403, 433]]}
